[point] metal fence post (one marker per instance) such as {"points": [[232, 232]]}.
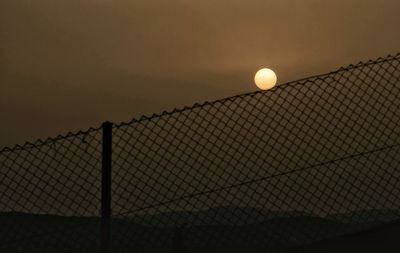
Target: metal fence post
{"points": [[106, 187]]}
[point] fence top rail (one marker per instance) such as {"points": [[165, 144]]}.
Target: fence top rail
{"points": [[302, 81], [49, 140]]}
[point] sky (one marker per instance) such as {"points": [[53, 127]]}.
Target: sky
{"points": [[67, 65]]}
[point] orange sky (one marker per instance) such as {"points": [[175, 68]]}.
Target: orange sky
{"points": [[71, 64]]}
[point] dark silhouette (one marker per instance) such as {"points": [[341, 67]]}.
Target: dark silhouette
{"points": [[382, 238], [178, 244], [259, 172]]}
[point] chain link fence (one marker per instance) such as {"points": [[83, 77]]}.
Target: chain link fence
{"points": [[263, 171], [50, 194]]}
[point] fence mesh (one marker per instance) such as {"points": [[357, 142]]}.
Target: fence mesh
{"points": [[50, 194], [305, 161]]}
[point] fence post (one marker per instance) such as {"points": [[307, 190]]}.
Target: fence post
{"points": [[106, 187]]}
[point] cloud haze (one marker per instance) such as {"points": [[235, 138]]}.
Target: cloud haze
{"points": [[67, 65]]}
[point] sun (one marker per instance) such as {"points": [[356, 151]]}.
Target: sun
{"points": [[265, 79]]}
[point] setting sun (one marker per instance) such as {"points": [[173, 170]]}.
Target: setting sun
{"points": [[265, 79]]}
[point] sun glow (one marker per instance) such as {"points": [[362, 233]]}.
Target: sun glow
{"points": [[265, 79]]}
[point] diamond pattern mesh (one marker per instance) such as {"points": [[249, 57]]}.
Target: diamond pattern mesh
{"points": [[268, 170]]}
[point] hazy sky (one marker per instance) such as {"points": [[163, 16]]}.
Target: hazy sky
{"points": [[71, 64]]}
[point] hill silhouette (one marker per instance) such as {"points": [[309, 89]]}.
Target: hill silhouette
{"points": [[264, 230], [380, 239]]}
